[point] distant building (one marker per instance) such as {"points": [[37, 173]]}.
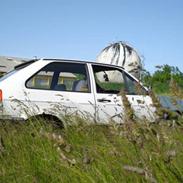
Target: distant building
{"points": [[123, 55]]}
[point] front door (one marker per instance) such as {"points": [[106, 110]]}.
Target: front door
{"points": [[109, 82], [109, 106]]}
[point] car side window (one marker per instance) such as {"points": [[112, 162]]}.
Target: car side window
{"points": [[113, 80], [132, 86], [108, 79], [61, 76]]}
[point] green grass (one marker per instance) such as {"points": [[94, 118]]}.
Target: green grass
{"points": [[135, 152]]}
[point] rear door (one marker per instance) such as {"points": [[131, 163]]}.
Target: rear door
{"points": [[62, 89]]}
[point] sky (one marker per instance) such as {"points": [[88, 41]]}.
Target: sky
{"points": [[80, 29]]}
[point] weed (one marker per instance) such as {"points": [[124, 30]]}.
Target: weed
{"points": [[142, 152]]}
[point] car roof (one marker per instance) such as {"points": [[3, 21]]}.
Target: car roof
{"points": [[22, 65], [80, 61]]}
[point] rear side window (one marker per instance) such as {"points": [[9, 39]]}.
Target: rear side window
{"points": [[61, 76]]}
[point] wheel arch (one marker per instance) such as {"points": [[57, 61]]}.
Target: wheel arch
{"points": [[57, 121]]}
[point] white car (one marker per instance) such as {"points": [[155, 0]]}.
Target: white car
{"points": [[56, 88]]}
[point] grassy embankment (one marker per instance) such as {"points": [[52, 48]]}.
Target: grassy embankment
{"points": [[134, 152]]}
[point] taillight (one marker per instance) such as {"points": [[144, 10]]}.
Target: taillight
{"points": [[1, 95]]}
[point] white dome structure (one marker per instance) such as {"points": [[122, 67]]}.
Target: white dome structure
{"points": [[122, 54]]}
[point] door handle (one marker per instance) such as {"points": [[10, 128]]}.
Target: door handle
{"points": [[103, 100], [140, 101]]}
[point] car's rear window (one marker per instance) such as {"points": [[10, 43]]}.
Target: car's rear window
{"points": [[7, 75], [16, 69], [23, 65]]}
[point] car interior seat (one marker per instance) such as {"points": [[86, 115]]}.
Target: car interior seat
{"points": [[80, 85], [60, 87]]}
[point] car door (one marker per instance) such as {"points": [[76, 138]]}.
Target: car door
{"points": [[139, 98], [109, 106], [109, 81], [54, 90]]}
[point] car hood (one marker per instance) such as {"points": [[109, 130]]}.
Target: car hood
{"points": [[171, 103]]}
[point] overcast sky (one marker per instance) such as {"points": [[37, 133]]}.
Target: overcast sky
{"points": [[80, 29]]}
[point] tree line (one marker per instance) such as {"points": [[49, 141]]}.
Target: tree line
{"points": [[165, 79]]}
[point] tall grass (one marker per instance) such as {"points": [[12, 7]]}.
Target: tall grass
{"points": [[134, 152]]}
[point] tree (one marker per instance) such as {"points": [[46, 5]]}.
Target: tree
{"points": [[161, 79]]}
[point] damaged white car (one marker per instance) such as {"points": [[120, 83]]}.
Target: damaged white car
{"points": [[58, 88]]}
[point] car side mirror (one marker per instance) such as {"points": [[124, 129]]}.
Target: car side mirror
{"points": [[149, 90]]}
